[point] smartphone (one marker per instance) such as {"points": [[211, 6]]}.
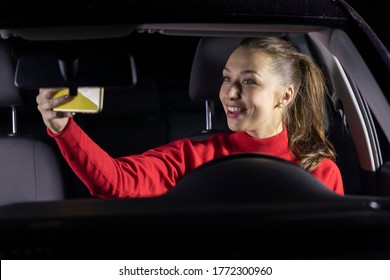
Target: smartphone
{"points": [[87, 100]]}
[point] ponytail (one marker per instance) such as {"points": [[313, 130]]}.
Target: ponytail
{"points": [[304, 118]]}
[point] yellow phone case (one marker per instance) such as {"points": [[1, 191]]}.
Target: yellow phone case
{"points": [[87, 100]]}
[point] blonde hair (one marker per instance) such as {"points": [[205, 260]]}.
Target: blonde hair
{"points": [[304, 115]]}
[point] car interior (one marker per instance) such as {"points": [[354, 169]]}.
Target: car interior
{"points": [[178, 72], [170, 101]]}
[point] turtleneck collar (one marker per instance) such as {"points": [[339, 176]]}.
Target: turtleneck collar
{"points": [[276, 145]]}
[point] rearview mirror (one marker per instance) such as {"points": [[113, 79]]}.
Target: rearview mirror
{"points": [[73, 70]]}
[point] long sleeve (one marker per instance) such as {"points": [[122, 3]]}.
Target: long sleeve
{"points": [[149, 174], [103, 175]]}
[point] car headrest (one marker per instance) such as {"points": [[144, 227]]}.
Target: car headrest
{"points": [[210, 59], [9, 94]]}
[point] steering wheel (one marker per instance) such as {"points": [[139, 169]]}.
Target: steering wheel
{"points": [[249, 177]]}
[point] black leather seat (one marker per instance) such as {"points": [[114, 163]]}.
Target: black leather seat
{"points": [[30, 169], [206, 78]]}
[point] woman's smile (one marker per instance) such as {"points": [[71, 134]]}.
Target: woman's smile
{"points": [[234, 111]]}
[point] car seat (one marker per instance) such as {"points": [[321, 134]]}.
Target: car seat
{"points": [[30, 169], [206, 78]]}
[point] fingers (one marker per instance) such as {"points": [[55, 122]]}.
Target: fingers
{"points": [[54, 120], [47, 93], [45, 99]]}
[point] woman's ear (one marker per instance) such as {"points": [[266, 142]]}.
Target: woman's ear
{"points": [[287, 96]]}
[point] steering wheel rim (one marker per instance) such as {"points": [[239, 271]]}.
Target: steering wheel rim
{"points": [[249, 177]]}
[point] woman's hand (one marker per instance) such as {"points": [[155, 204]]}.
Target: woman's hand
{"points": [[55, 121]]}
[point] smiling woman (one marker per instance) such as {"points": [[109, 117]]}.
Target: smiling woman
{"points": [[263, 114], [280, 86], [267, 85]]}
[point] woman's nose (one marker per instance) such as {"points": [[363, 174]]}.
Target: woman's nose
{"points": [[233, 91]]}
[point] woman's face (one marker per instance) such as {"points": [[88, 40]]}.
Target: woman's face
{"points": [[251, 94]]}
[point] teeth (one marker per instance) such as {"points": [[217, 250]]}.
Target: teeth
{"points": [[234, 109]]}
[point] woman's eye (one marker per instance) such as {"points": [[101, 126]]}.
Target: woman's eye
{"points": [[248, 82], [226, 79]]}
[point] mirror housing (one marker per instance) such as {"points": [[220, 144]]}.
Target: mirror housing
{"points": [[72, 70]]}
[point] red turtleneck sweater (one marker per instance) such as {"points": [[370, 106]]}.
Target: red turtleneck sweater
{"points": [[157, 170]]}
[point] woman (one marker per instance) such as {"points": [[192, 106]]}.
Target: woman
{"points": [[273, 97]]}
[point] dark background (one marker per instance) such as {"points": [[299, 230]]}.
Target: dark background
{"points": [[376, 14]]}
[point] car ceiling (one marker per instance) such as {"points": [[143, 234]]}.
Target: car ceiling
{"points": [[16, 14]]}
